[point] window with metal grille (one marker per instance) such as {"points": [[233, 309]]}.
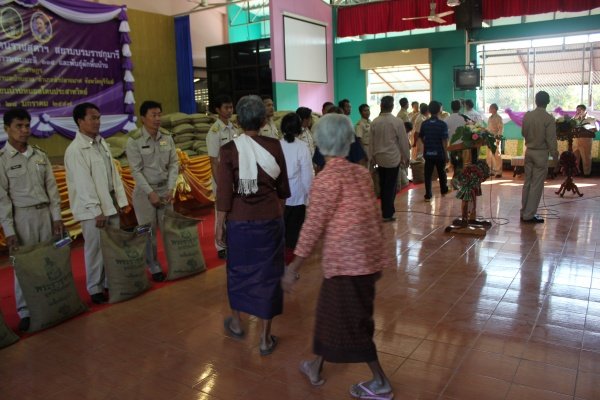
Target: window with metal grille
{"points": [[568, 68]]}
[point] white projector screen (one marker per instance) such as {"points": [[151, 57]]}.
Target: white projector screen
{"points": [[305, 48]]}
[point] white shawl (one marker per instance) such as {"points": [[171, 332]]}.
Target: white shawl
{"points": [[251, 153]]}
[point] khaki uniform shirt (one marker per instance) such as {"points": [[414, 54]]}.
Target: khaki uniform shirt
{"points": [[89, 178], [403, 115], [389, 142], [539, 131], [218, 135], [495, 125], [307, 137], [270, 130], [363, 131], [418, 121], [153, 162], [412, 116], [26, 179]]}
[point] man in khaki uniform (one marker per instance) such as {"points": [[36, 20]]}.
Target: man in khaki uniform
{"points": [[403, 113], [582, 147], [154, 165], [220, 133], [96, 192], [29, 199], [363, 126], [412, 116], [269, 129], [496, 127], [539, 131], [417, 149]]}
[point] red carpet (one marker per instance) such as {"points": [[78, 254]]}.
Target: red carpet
{"points": [[205, 232]]}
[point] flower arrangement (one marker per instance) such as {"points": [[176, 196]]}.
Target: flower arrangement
{"points": [[473, 135], [468, 180]]}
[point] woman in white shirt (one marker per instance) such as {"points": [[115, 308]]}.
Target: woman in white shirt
{"points": [[300, 175]]}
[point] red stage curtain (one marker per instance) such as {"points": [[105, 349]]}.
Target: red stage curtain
{"points": [[386, 16]]}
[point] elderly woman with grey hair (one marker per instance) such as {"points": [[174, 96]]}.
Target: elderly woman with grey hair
{"points": [[252, 186], [343, 215]]}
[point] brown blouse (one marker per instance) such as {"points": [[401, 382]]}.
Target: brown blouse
{"points": [[262, 205]]}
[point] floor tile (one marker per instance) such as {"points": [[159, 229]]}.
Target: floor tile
{"points": [[514, 315], [546, 376]]}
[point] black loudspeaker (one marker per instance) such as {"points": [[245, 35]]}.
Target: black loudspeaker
{"points": [[468, 15]]}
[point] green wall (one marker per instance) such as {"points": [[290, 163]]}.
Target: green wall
{"points": [[447, 50], [285, 95], [241, 30]]}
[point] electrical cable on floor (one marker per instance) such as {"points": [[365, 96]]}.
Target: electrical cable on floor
{"points": [[546, 211], [498, 220]]}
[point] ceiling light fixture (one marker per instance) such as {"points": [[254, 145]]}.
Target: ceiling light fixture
{"points": [[453, 3]]}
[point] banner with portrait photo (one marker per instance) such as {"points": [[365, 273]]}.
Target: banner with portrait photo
{"points": [[55, 54]]}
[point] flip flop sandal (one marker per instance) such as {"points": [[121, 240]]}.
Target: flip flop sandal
{"points": [[269, 350], [360, 391], [305, 369], [231, 332]]}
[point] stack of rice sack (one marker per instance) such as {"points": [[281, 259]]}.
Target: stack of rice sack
{"points": [[188, 131], [118, 144], [179, 124], [202, 124]]}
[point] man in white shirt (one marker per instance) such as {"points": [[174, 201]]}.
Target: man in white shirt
{"points": [[389, 150], [96, 192], [471, 112], [455, 120]]}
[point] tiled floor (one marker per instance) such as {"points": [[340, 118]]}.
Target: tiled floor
{"points": [[512, 315]]}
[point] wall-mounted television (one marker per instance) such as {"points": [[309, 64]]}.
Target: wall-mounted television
{"points": [[467, 78]]}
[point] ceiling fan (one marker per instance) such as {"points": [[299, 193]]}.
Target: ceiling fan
{"points": [[202, 5], [433, 16]]}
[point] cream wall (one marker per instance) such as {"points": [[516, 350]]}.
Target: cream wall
{"points": [[207, 28]]}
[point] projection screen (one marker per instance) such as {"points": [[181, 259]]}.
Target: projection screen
{"points": [[305, 47]]}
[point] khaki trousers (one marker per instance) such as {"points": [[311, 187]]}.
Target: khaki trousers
{"points": [[32, 226], [214, 185], [494, 161], [146, 213], [536, 170], [582, 147]]}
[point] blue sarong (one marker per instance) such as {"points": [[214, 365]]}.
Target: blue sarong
{"points": [[255, 265]]}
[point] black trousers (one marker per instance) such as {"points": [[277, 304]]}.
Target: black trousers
{"points": [[440, 165], [388, 181]]}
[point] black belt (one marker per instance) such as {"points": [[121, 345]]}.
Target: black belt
{"points": [[159, 184]]}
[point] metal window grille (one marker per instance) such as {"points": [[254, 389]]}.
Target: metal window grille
{"points": [[570, 73]]}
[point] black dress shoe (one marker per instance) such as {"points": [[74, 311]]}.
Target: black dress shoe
{"points": [[24, 324], [389, 219], [98, 298], [534, 220], [222, 254], [158, 277]]}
